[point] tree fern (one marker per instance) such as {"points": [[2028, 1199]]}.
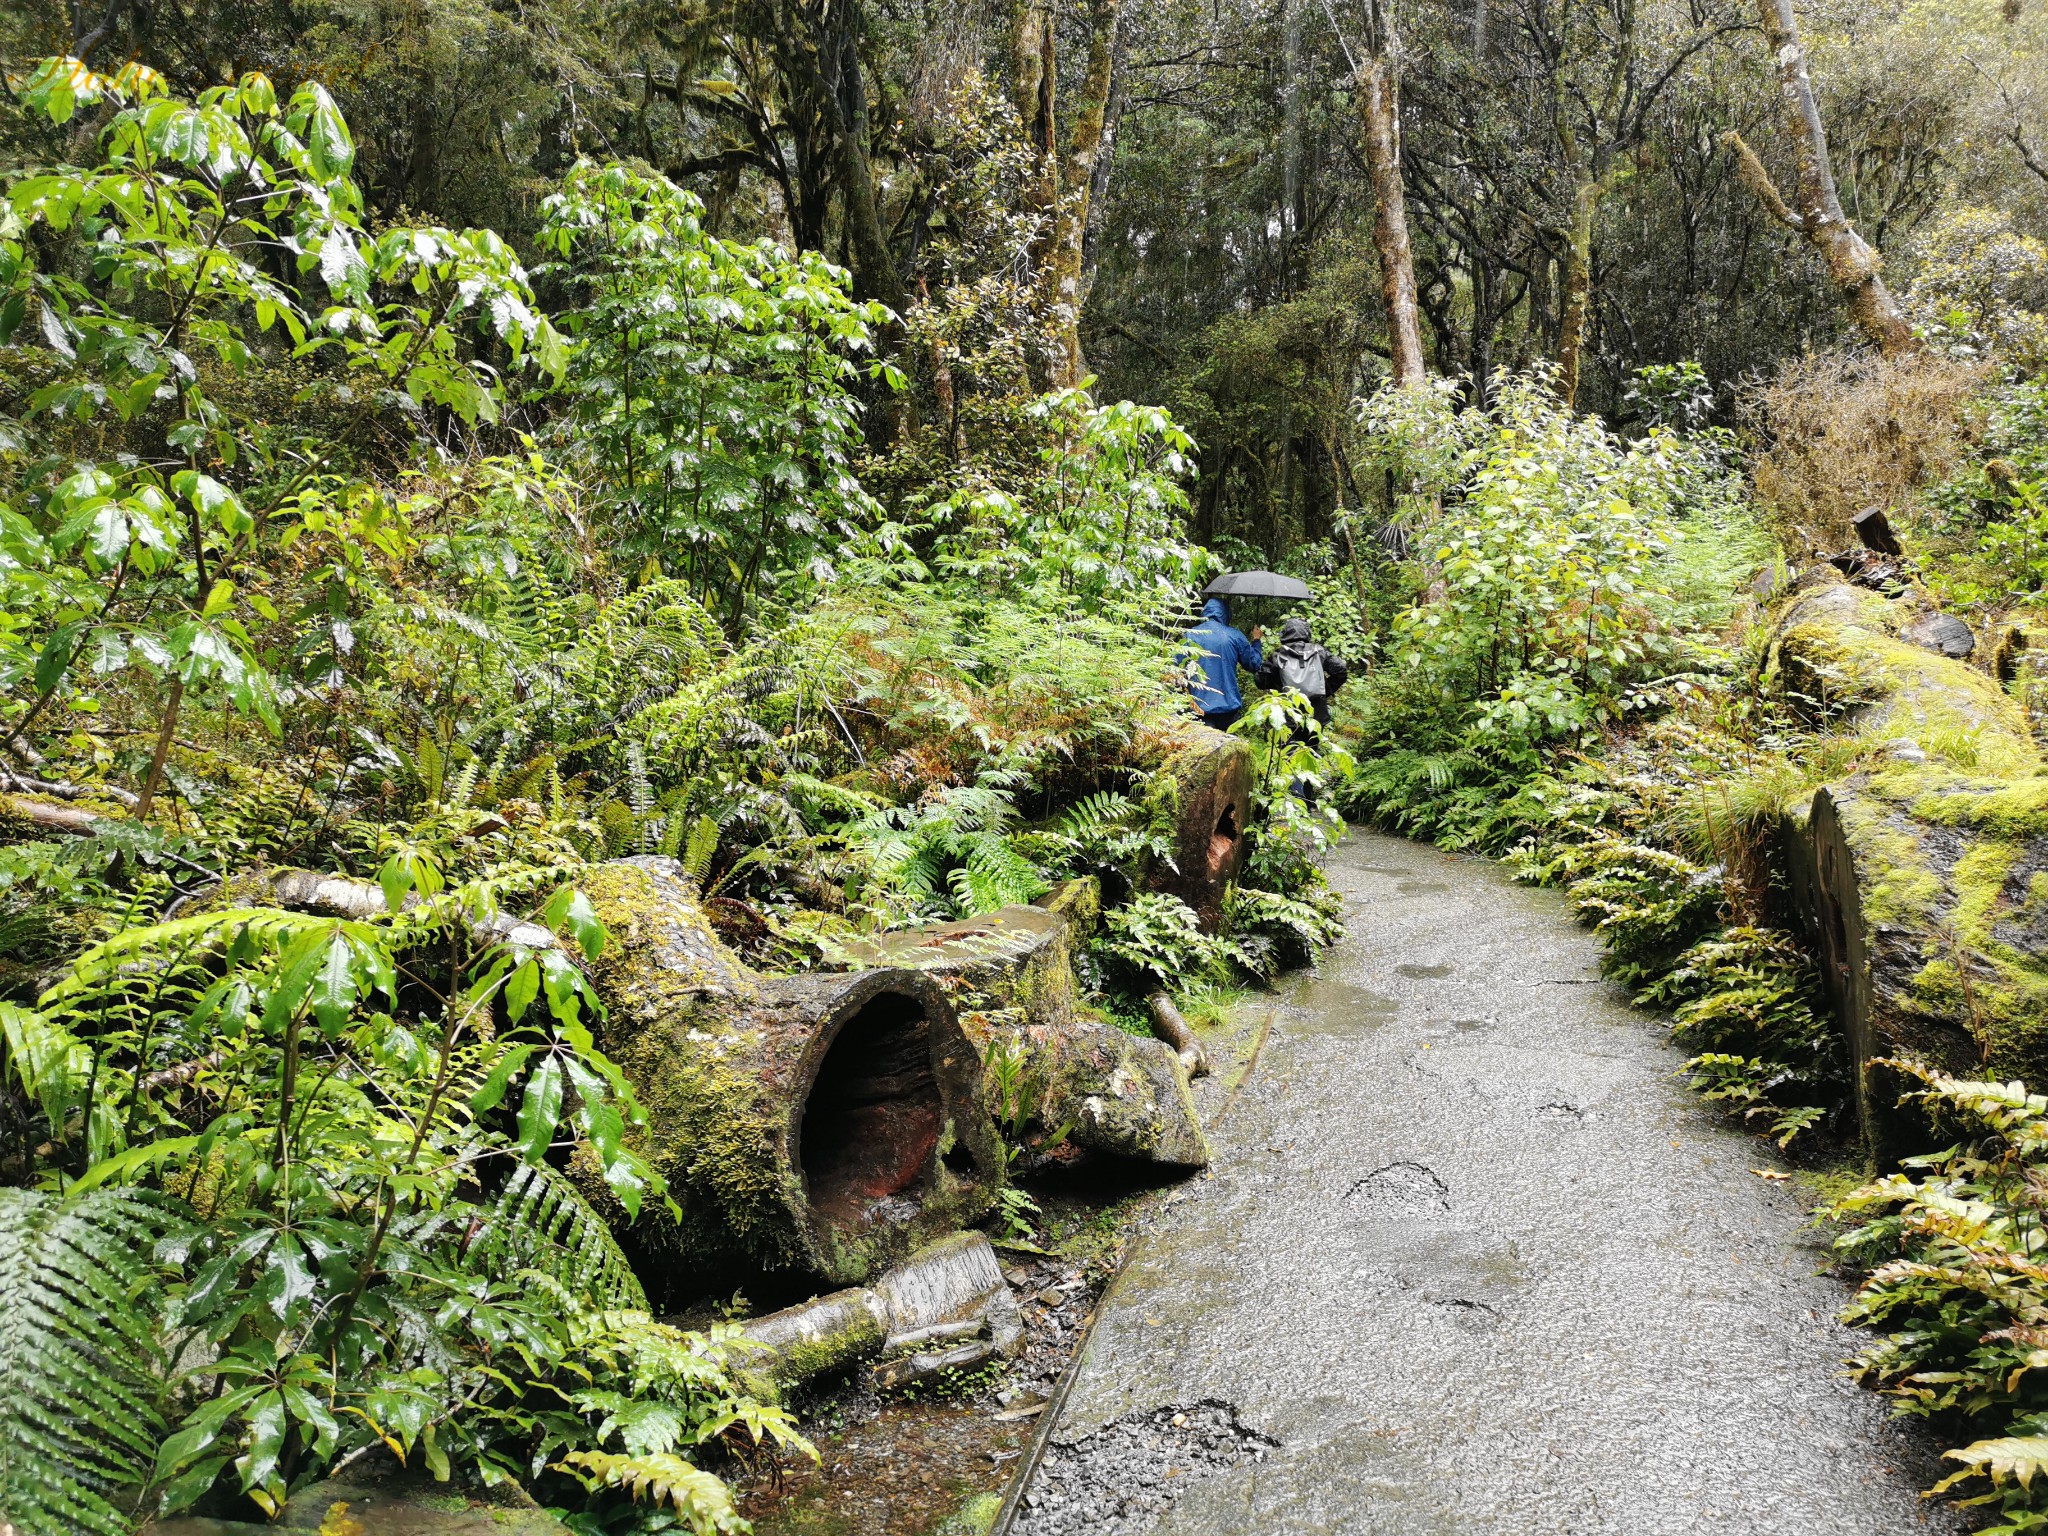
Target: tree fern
{"points": [[81, 1416]]}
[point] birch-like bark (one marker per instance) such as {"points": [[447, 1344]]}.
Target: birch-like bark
{"points": [[1380, 110], [1817, 213]]}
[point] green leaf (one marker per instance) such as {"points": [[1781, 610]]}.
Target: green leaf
{"points": [[492, 1091], [521, 990], [335, 987], [570, 908], [540, 1110]]}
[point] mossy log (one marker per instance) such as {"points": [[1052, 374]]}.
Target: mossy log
{"points": [[823, 1123], [1921, 878], [1010, 977], [1213, 776], [944, 1308]]}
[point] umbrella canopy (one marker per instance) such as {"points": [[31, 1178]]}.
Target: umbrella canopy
{"points": [[1257, 584]]}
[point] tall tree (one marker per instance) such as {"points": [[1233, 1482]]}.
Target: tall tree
{"points": [[1069, 160], [1852, 265], [1376, 76]]}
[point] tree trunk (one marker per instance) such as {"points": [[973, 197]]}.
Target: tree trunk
{"points": [[1072, 186], [1577, 305], [874, 265], [1852, 265], [1379, 109], [785, 1112]]}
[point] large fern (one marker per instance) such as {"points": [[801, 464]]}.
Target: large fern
{"points": [[540, 1221], [82, 1413]]}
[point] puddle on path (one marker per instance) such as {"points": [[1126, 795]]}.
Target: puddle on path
{"points": [[1416, 972], [912, 1469], [1325, 1006]]}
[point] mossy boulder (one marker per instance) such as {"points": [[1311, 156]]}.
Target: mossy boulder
{"points": [[1921, 877]]}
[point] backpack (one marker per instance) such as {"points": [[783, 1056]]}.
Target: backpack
{"points": [[1302, 670]]}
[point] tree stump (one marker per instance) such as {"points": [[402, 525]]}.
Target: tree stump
{"points": [[1921, 878], [1213, 774]]}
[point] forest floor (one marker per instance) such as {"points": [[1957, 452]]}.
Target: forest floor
{"points": [[1473, 1258]]}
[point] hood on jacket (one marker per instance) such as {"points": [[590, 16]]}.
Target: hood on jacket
{"points": [[1294, 629], [1217, 609]]}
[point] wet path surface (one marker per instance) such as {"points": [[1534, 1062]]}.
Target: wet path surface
{"points": [[1472, 1259]]}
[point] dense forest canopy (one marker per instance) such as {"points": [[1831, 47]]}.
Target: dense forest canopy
{"points": [[462, 462]]}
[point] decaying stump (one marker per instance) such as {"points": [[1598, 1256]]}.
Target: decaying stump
{"points": [[825, 1122], [945, 1308], [1010, 977], [1922, 877], [1213, 775]]}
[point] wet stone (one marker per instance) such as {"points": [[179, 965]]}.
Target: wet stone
{"points": [[1423, 972]]}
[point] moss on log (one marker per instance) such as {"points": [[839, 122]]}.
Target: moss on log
{"points": [[1212, 775], [1010, 978], [820, 1123], [1921, 877]]}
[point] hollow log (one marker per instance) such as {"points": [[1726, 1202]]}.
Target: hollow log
{"points": [[822, 1123], [1010, 977], [1921, 877], [1213, 774], [944, 1308], [825, 1123]]}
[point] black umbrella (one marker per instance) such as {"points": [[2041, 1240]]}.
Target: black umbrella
{"points": [[1258, 584]]}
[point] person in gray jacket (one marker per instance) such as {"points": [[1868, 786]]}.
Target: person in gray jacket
{"points": [[1297, 662]]}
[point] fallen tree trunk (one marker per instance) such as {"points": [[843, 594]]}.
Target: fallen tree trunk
{"points": [[1010, 977], [823, 1123], [826, 1123], [1921, 877], [945, 1308]]}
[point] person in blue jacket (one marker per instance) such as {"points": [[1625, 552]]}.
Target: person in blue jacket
{"points": [[1218, 651]]}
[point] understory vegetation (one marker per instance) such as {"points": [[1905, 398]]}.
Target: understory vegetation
{"points": [[446, 450], [359, 561]]}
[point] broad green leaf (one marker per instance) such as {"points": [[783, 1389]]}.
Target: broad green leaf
{"points": [[335, 987], [540, 1109]]}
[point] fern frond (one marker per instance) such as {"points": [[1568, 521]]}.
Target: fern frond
{"points": [[696, 1495], [540, 1221], [81, 1418], [699, 848], [46, 1059]]}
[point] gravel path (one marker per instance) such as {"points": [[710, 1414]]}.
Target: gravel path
{"points": [[1472, 1259]]}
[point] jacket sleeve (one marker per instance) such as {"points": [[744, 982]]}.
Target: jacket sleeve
{"points": [[1335, 674], [1248, 655]]}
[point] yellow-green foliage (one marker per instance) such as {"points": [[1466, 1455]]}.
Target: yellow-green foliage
{"points": [[1947, 760]]}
